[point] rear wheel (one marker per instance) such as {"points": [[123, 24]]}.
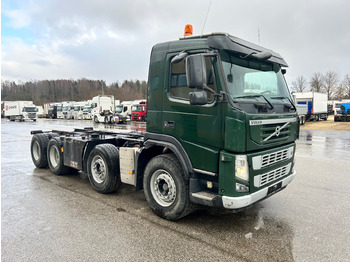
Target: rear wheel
{"points": [[38, 149], [55, 157], [103, 168], [95, 119], [166, 189]]}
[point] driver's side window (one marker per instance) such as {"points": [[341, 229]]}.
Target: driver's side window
{"points": [[178, 80]]}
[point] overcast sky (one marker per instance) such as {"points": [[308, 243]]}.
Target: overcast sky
{"points": [[111, 40]]}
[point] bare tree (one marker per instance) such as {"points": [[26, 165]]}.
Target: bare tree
{"points": [[330, 83], [346, 86], [300, 84], [317, 82]]}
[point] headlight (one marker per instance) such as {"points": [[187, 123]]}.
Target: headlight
{"points": [[241, 167]]}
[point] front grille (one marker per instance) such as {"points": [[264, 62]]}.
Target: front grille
{"points": [[271, 176], [31, 115], [266, 131], [272, 158]]}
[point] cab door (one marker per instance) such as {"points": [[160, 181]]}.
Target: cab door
{"points": [[197, 128]]}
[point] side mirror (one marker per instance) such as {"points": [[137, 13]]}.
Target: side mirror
{"points": [[198, 98], [196, 71], [178, 58]]}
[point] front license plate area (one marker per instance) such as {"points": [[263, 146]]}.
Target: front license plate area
{"points": [[273, 189]]}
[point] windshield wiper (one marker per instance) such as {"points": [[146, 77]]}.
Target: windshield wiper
{"points": [[284, 97], [257, 95]]}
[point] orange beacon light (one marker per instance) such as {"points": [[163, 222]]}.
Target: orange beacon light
{"points": [[188, 30]]}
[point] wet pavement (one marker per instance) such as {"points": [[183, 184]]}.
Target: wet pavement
{"points": [[61, 218]]}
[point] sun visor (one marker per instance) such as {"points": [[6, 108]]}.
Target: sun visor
{"points": [[231, 43]]}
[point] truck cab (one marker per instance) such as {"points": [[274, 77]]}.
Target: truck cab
{"points": [[221, 104], [139, 111]]}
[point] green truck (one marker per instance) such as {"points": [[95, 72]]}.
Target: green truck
{"points": [[221, 131]]}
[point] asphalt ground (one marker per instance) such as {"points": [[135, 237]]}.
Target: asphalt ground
{"points": [[61, 218]]}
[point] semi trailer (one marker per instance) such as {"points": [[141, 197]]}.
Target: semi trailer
{"points": [[220, 131]]}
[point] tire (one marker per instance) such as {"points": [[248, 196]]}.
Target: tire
{"points": [[317, 117], [38, 150], [165, 188], [103, 168], [55, 157], [95, 119]]}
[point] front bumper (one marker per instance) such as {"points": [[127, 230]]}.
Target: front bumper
{"points": [[245, 201]]}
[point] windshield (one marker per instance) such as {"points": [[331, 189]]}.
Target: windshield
{"points": [[248, 78], [136, 108], [29, 109], [59, 108], [118, 109]]}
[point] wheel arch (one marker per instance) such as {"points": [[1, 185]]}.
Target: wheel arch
{"points": [[157, 144]]}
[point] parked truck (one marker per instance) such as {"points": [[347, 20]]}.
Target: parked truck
{"points": [[20, 110], [68, 110], [217, 135], [344, 113], [53, 109], [139, 111], [302, 111], [317, 106], [102, 108]]}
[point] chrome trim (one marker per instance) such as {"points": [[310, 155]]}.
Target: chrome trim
{"points": [[265, 160], [204, 172], [266, 178], [259, 122], [244, 201]]}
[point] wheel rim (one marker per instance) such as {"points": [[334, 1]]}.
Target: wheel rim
{"points": [[54, 156], [163, 188], [36, 150], [98, 169]]}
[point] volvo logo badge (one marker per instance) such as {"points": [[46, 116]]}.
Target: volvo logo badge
{"points": [[278, 130]]}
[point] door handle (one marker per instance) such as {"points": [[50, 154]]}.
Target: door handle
{"points": [[169, 124]]}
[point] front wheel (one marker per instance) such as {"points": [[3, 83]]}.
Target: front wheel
{"points": [[103, 168], [166, 189]]}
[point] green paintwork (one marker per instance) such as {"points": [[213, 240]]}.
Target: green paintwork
{"points": [[212, 134]]}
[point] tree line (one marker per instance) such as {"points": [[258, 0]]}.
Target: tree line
{"points": [[328, 83], [44, 91]]}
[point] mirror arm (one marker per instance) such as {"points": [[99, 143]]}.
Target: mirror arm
{"points": [[220, 96]]}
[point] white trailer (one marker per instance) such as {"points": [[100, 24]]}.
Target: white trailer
{"points": [[20, 110], [103, 108], [317, 106]]}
